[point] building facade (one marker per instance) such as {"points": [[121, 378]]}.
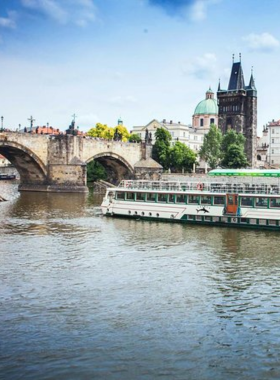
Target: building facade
{"points": [[273, 142], [238, 109]]}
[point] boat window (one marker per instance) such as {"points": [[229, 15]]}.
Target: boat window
{"points": [[275, 202], [261, 202], [120, 195], [246, 201], [206, 199], [180, 198], [162, 197], [140, 197], [219, 200], [130, 196], [151, 197], [194, 199], [171, 198]]}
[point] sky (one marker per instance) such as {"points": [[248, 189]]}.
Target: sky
{"points": [[137, 60]]}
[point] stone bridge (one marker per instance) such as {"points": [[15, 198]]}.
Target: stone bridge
{"points": [[58, 163]]}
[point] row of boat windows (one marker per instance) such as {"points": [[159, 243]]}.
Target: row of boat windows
{"points": [[264, 202], [171, 198]]}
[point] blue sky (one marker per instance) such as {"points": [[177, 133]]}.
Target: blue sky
{"points": [[138, 59]]}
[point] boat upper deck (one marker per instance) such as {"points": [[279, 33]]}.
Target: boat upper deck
{"points": [[190, 186]]}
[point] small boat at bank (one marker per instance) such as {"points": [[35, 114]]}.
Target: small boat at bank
{"points": [[232, 201], [7, 177]]}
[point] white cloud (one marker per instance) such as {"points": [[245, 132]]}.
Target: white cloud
{"points": [[80, 12], [198, 11], [202, 67], [263, 42], [8, 22], [49, 7]]}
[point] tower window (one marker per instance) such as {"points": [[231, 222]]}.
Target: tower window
{"points": [[229, 123], [212, 121], [201, 122]]}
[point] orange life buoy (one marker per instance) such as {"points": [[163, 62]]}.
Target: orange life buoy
{"points": [[199, 186]]}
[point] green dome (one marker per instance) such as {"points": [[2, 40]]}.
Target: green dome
{"points": [[207, 107]]}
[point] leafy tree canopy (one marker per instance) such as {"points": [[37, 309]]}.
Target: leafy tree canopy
{"points": [[211, 148], [134, 137], [233, 150], [101, 131], [95, 171], [182, 157], [121, 133], [232, 137], [234, 157], [161, 148], [163, 135]]}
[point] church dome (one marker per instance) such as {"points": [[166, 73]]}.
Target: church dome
{"points": [[207, 107]]}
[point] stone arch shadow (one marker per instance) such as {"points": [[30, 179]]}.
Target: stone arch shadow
{"points": [[117, 167], [29, 166]]}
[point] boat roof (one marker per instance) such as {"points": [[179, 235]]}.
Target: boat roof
{"points": [[245, 172]]}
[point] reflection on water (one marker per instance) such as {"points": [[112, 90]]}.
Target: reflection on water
{"points": [[88, 297]]}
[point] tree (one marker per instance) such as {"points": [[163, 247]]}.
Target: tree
{"points": [[134, 137], [101, 131], [233, 150], [161, 148], [232, 137], [121, 133], [182, 157], [95, 171], [211, 148]]}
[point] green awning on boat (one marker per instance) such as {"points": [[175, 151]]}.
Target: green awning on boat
{"points": [[246, 172]]}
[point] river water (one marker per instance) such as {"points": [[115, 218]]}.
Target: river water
{"points": [[89, 297]]}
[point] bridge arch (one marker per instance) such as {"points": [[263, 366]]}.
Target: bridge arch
{"points": [[116, 166], [30, 167]]}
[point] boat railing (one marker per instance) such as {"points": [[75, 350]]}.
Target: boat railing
{"points": [[213, 187]]}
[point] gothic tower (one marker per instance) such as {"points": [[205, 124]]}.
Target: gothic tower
{"points": [[238, 109]]}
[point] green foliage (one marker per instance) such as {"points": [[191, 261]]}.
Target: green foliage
{"points": [[95, 171], [211, 148], [233, 150], [232, 138], [163, 135], [182, 157], [234, 157], [161, 148], [134, 137]]}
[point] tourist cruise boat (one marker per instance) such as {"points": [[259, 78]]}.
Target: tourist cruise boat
{"points": [[235, 198]]}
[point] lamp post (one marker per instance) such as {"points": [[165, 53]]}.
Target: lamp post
{"points": [[19, 126], [47, 128], [2, 123]]}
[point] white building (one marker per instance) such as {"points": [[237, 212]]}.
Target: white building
{"points": [[273, 141]]}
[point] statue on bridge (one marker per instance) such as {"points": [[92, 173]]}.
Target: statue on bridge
{"points": [[148, 137], [71, 130]]}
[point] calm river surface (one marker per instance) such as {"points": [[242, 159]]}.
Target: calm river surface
{"points": [[88, 297]]}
